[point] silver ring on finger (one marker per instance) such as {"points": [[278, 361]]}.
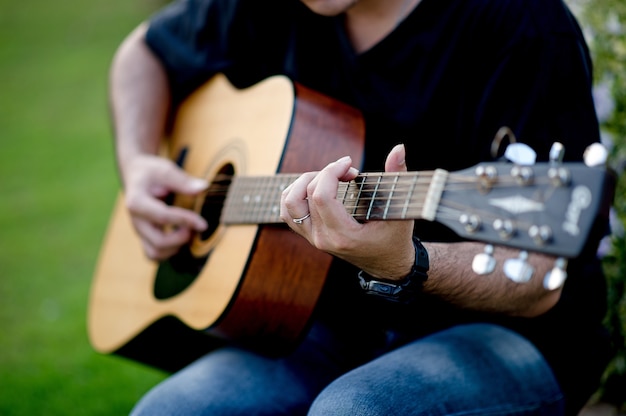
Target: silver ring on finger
{"points": [[301, 219]]}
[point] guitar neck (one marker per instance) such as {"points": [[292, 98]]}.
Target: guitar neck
{"points": [[370, 196], [545, 208]]}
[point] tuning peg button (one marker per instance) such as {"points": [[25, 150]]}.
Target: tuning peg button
{"points": [[596, 155], [520, 154], [518, 270], [557, 152], [484, 263], [555, 278]]}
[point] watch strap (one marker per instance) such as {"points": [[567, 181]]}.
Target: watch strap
{"points": [[404, 290]]}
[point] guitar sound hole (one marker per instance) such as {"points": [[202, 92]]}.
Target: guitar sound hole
{"points": [[177, 273], [214, 201]]}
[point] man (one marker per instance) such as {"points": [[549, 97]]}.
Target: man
{"points": [[441, 77]]}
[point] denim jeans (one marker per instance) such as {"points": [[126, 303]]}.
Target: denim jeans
{"points": [[476, 369]]}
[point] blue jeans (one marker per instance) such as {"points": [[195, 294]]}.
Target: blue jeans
{"points": [[475, 369]]}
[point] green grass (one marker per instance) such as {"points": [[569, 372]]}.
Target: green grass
{"points": [[58, 183]]}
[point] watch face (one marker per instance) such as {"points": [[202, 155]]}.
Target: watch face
{"points": [[404, 290]]}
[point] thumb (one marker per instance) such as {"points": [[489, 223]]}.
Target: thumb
{"points": [[396, 160], [177, 180]]}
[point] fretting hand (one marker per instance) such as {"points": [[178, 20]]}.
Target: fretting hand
{"points": [[310, 207]]}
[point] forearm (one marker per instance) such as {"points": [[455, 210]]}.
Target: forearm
{"points": [[139, 98], [451, 278]]}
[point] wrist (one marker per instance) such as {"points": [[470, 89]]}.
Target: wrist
{"points": [[400, 290]]}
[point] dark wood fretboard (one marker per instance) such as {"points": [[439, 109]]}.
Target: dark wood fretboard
{"points": [[371, 196]]}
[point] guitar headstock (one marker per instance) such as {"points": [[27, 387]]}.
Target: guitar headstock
{"points": [[547, 207]]}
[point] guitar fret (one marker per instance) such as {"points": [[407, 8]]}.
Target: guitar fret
{"points": [[363, 197], [345, 193], [277, 185], [354, 197], [358, 196], [389, 198], [249, 203], [409, 196], [273, 196], [253, 214], [246, 199], [371, 196], [262, 208], [255, 200], [373, 199], [233, 194]]}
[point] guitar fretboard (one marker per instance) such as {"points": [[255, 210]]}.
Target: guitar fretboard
{"points": [[371, 196]]}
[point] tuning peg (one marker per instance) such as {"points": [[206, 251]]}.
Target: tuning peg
{"points": [[541, 234], [504, 227], [520, 154], [524, 175], [487, 176], [560, 176], [471, 223], [555, 278], [557, 151], [519, 270], [595, 155], [484, 263]]}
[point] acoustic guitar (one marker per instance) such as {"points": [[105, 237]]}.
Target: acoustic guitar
{"points": [[248, 278]]}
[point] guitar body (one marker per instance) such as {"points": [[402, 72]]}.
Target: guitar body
{"points": [[252, 284]]}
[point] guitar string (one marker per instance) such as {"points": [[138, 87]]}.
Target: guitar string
{"points": [[265, 204], [254, 183], [460, 185]]}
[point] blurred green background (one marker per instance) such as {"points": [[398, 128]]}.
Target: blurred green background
{"points": [[58, 183]]}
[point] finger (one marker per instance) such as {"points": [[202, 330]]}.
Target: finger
{"points": [[158, 254], [158, 212], [326, 183], [322, 193], [177, 180], [396, 159], [159, 243], [294, 199]]}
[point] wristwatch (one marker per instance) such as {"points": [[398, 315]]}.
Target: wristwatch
{"points": [[405, 290]]}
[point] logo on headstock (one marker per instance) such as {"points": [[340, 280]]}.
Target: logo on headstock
{"points": [[581, 199], [517, 204]]}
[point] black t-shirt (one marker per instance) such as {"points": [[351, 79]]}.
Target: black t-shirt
{"points": [[443, 82]]}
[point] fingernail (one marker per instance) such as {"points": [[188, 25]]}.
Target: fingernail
{"points": [[343, 159], [399, 148], [198, 185], [201, 225]]}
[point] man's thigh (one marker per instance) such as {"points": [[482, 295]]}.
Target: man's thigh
{"points": [[233, 381], [470, 370]]}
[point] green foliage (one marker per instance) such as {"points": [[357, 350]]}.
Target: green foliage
{"points": [[604, 23]]}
